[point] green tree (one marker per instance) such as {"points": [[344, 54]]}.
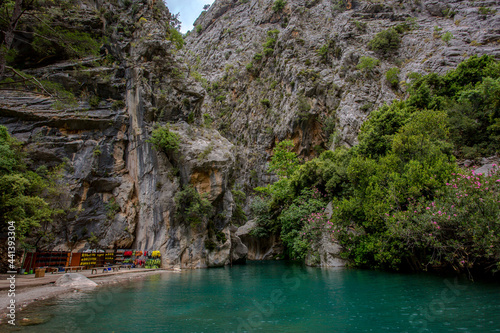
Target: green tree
{"points": [[284, 161], [21, 191]]}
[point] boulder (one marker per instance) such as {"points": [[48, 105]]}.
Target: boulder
{"points": [[487, 169], [239, 251], [75, 280], [259, 248]]}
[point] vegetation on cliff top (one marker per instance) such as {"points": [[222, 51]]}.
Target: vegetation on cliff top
{"points": [[399, 200]]}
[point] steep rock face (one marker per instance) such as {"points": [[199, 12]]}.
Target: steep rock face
{"points": [[294, 73], [120, 188], [306, 85]]}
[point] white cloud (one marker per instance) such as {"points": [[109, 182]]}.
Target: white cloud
{"points": [[189, 11]]}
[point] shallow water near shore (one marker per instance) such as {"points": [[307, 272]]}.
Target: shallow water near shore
{"points": [[274, 297]]}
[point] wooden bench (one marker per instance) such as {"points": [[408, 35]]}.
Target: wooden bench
{"points": [[104, 269], [126, 266], [75, 268]]}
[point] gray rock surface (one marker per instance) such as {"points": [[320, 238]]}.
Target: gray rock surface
{"points": [[259, 248], [75, 280], [487, 169]]}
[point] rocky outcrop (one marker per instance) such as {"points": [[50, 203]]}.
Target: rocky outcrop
{"points": [[306, 85], [75, 280], [119, 191], [325, 252], [259, 248]]}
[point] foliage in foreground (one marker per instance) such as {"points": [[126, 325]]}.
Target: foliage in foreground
{"points": [[399, 200]]}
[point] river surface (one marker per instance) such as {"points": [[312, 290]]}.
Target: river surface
{"points": [[275, 297]]}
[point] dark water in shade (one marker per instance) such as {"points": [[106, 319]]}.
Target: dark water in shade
{"points": [[276, 297]]}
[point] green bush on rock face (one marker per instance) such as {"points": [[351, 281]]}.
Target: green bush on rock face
{"points": [[279, 5], [23, 193], [392, 77], [191, 207], [385, 41], [176, 38], [164, 140], [367, 63]]}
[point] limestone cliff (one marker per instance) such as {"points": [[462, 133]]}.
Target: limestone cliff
{"points": [[249, 75]]}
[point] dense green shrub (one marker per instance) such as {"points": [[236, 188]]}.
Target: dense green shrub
{"points": [[385, 41], [176, 37], [367, 63], [164, 140], [25, 195], [392, 77], [470, 96], [279, 5], [191, 207], [456, 227]]}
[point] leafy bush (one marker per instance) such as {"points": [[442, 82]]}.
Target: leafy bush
{"points": [[447, 37], [301, 222], [199, 28], [279, 5], [25, 196], [470, 97], [265, 102], [284, 162], [164, 140], [191, 207], [367, 63], [392, 77], [385, 41], [239, 217], [455, 228], [176, 37]]}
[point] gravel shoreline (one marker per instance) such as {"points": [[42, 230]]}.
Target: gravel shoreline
{"points": [[30, 295]]}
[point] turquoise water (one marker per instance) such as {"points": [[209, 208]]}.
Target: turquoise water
{"points": [[277, 297]]}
